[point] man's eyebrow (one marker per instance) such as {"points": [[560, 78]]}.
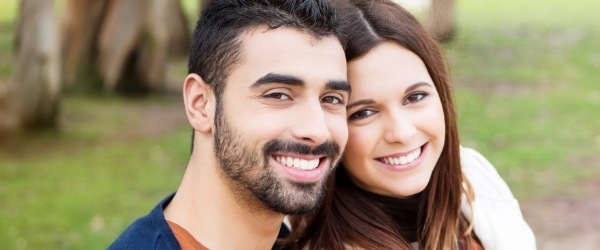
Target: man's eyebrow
{"points": [[360, 102], [339, 85], [416, 85], [273, 78]]}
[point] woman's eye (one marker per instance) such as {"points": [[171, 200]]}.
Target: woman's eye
{"points": [[363, 113], [278, 96], [332, 100], [414, 98]]}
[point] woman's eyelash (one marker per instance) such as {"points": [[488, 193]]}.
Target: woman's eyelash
{"points": [[360, 114], [415, 97]]}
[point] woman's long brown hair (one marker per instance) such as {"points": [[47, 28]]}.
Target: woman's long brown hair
{"points": [[347, 218]]}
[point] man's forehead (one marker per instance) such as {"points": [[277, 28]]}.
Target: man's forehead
{"points": [[267, 35]]}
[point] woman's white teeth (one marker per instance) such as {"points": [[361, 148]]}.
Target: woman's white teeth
{"points": [[403, 160], [298, 163]]}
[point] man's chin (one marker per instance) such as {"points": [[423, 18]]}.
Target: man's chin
{"points": [[297, 198], [300, 208]]}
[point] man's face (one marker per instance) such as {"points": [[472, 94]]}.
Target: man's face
{"points": [[280, 125]]}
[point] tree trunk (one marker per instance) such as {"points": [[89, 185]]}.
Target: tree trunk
{"points": [[121, 43], [203, 4], [80, 31], [441, 20], [127, 42], [177, 26], [31, 97]]}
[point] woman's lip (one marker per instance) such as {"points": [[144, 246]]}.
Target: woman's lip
{"points": [[422, 147], [415, 163]]}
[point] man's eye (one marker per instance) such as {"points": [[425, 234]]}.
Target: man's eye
{"points": [[332, 100], [414, 98], [278, 96], [363, 113]]}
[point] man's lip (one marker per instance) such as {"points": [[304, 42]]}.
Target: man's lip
{"points": [[322, 159], [299, 156], [306, 175]]}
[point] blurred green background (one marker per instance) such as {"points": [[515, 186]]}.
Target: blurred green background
{"points": [[526, 75]]}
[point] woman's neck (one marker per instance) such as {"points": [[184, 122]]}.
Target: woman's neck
{"points": [[403, 211]]}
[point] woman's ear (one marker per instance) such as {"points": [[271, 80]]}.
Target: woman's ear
{"points": [[198, 99]]}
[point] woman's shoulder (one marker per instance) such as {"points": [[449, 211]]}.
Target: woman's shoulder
{"points": [[482, 175], [495, 211]]}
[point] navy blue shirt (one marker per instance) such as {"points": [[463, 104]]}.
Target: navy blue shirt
{"points": [[153, 232], [149, 232]]}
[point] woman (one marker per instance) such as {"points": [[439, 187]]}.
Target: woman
{"points": [[401, 185]]}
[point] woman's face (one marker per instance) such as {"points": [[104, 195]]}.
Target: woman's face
{"points": [[395, 122]]}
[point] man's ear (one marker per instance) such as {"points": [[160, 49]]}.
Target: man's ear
{"points": [[199, 102]]}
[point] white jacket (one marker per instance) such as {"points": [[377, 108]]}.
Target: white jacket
{"points": [[497, 218]]}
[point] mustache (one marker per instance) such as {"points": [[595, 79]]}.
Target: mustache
{"points": [[328, 148]]}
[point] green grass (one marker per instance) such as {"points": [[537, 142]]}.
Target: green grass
{"points": [[191, 9], [8, 10], [530, 13], [78, 201], [6, 48], [526, 75], [80, 189]]}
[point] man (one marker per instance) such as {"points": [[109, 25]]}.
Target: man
{"points": [[266, 98]]}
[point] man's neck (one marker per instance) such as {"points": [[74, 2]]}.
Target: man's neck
{"points": [[207, 207]]}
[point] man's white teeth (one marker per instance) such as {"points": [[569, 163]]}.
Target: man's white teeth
{"points": [[298, 163], [403, 160]]}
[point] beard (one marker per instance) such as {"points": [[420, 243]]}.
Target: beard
{"points": [[248, 167]]}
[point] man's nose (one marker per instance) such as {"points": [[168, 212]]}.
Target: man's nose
{"points": [[310, 125]]}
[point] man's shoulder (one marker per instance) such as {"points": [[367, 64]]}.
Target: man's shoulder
{"points": [[149, 232], [141, 234]]}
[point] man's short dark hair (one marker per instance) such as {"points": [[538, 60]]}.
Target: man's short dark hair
{"points": [[215, 47]]}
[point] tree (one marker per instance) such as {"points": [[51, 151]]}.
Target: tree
{"points": [[203, 4], [441, 20], [31, 97], [124, 44]]}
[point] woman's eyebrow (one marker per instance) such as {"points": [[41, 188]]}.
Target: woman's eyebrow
{"points": [[371, 101], [360, 102], [416, 85]]}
